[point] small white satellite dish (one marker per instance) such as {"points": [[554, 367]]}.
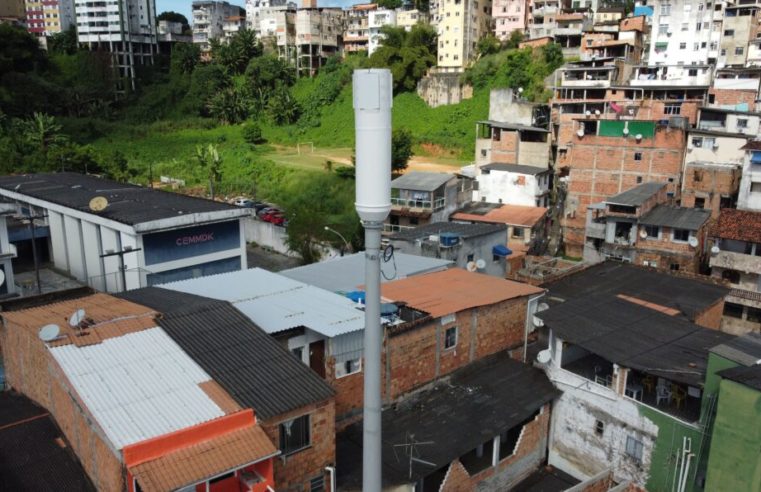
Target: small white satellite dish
{"points": [[588, 113], [544, 356], [715, 250], [2, 277], [626, 131], [693, 242], [638, 136], [98, 204], [543, 306], [643, 233], [580, 133], [76, 318], [49, 333], [597, 112], [471, 266], [480, 264]]}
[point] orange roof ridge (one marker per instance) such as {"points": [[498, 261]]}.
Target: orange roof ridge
{"points": [[657, 307]]}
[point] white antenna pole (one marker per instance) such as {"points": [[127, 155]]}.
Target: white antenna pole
{"points": [[372, 119]]}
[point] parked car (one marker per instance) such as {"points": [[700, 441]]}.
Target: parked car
{"points": [[264, 211], [260, 205], [274, 216], [244, 202]]}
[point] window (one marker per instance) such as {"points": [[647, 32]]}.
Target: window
{"points": [[295, 435], [317, 484], [665, 9], [733, 310], [638, 156], [639, 179], [450, 338], [663, 29], [348, 367], [742, 123], [685, 26], [674, 267], [673, 109], [517, 232], [471, 257], [682, 46], [729, 32], [755, 187], [680, 235], [653, 232], [731, 276], [723, 52], [739, 50], [753, 314], [599, 427], [634, 448], [700, 203]]}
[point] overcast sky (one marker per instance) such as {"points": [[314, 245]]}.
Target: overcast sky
{"points": [[185, 6]]}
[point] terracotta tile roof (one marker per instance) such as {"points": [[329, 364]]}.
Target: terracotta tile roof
{"points": [[740, 225], [454, 290], [219, 396], [108, 317], [207, 459], [752, 145], [507, 214]]}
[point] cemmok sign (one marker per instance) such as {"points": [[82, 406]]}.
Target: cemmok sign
{"points": [[188, 242]]}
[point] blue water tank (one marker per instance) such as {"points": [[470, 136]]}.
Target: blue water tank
{"points": [[449, 239]]}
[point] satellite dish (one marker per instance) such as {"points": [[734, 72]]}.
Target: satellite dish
{"points": [[638, 136], [537, 322], [693, 242], [2, 277], [588, 113], [715, 250], [98, 204], [480, 264], [471, 266], [544, 356], [643, 233], [49, 333], [76, 318], [626, 131], [543, 306], [580, 133], [597, 112]]}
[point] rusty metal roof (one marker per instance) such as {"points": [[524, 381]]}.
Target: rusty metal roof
{"points": [[506, 214], [454, 290]]}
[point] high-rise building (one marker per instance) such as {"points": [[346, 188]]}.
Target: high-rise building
{"points": [[684, 33], [357, 18], [318, 35], [509, 16], [255, 9], [209, 19], [124, 28], [378, 19], [461, 23], [47, 17]]}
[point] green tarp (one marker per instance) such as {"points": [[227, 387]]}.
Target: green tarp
{"points": [[616, 128]]}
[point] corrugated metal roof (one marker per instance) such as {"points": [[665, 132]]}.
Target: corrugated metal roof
{"points": [[138, 386], [636, 196], [277, 303], [676, 217], [501, 214], [422, 181], [516, 168], [748, 376], [461, 229], [745, 350], [346, 273]]}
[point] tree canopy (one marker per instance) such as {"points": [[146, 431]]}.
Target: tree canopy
{"points": [[172, 16]]}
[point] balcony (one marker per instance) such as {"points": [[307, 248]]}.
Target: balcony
{"points": [[568, 31], [736, 261], [436, 204], [393, 228]]}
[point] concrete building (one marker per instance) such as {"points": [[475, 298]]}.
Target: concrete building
{"points": [[255, 9], [569, 29], [639, 226], [409, 18], [44, 19], [375, 21], [526, 226], [113, 379], [736, 258], [419, 198], [232, 25], [514, 184], [209, 20], [681, 33], [509, 16], [163, 236], [318, 37], [477, 247], [124, 28], [735, 88], [739, 28], [541, 21], [461, 24], [749, 196], [629, 351], [356, 36], [277, 29]]}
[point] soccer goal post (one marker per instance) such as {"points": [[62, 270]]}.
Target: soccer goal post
{"points": [[308, 147]]}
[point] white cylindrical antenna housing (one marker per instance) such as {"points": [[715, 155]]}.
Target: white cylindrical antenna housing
{"points": [[372, 121]]}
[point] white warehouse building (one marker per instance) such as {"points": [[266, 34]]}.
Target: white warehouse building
{"points": [[163, 236]]}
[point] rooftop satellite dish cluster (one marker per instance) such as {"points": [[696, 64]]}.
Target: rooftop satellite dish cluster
{"points": [[78, 321], [473, 266]]}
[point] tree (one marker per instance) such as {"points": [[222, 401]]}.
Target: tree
{"points": [[185, 57], [20, 51], [64, 42], [513, 40], [228, 106], [488, 45], [206, 82], [389, 4], [236, 54], [407, 55], [282, 107], [401, 149], [208, 157], [43, 132], [252, 133], [172, 16], [264, 74]]}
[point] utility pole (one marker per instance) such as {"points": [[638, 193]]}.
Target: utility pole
{"points": [[120, 254], [372, 117], [32, 218]]}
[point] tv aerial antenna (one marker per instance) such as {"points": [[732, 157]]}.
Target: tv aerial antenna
{"points": [[411, 453]]}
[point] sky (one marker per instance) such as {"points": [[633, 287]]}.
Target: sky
{"points": [[185, 6]]}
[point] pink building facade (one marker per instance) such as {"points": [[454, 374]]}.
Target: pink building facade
{"points": [[509, 15]]}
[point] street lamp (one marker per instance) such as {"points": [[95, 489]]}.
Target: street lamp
{"points": [[346, 243], [372, 123]]}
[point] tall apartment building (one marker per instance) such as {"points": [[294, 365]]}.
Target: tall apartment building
{"points": [[255, 9], [209, 19], [319, 33], [277, 30], [408, 18], [461, 23], [376, 20], [44, 18], [356, 36], [509, 16], [739, 27], [125, 28], [684, 32]]}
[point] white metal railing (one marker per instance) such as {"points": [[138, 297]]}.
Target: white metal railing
{"points": [[396, 228], [436, 204]]}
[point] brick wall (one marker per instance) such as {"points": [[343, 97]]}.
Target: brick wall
{"points": [[727, 97], [709, 183], [505, 150], [529, 454], [711, 317], [349, 391], [31, 370], [666, 252], [417, 356], [293, 472]]}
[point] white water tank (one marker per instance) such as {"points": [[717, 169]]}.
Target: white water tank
{"points": [[372, 120]]}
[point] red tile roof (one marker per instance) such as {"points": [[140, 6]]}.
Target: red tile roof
{"points": [[740, 225], [206, 459], [454, 290], [507, 214]]}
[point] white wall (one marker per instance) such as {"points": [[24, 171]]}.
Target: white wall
{"points": [[74, 248], [503, 186], [58, 241], [267, 235]]}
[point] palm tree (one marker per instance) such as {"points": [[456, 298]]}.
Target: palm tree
{"points": [[43, 132], [210, 159]]}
